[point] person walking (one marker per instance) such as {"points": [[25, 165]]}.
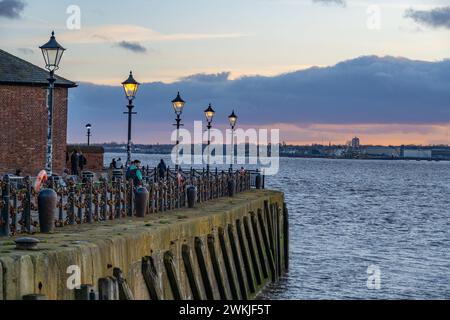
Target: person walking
{"points": [[74, 162], [162, 168]]}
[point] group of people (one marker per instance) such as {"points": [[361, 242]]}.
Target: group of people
{"points": [[116, 164], [134, 171], [77, 162]]}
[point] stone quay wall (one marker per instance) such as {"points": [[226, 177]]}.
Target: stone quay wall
{"points": [[229, 248]]}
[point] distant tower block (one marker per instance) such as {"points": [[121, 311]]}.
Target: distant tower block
{"points": [[356, 143]]}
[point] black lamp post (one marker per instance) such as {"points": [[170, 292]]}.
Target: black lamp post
{"points": [[52, 52], [131, 87], [178, 105], [233, 119], [88, 128], [209, 114]]}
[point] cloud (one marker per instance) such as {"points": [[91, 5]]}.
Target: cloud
{"points": [[435, 18], [366, 90], [133, 33], [11, 8], [135, 47], [341, 3], [202, 77]]}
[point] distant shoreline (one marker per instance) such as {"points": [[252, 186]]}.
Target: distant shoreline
{"points": [[308, 157]]}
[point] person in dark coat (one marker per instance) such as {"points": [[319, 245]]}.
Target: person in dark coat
{"points": [[82, 161], [162, 168], [113, 164], [74, 161]]}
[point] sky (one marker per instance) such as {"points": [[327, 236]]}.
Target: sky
{"points": [[319, 70]]}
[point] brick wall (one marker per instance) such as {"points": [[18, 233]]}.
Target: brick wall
{"points": [[23, 129]]}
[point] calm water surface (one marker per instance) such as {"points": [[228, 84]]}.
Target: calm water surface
{"points": [[346, 215]]}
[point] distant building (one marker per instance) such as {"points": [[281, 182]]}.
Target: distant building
{"points": [[23, 117], [441, 154], [356, 143], [417, 153], [381, 152]]}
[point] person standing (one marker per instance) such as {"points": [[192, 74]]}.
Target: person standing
{"points": [[162, 168], [74, 162], [119, 164], [113, 164], [82, 161], [134, 173]]}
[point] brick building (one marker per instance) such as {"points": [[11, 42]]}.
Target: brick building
{"points": [[23, 117]]}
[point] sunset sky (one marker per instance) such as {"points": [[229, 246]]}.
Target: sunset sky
{"points": [[319, 70]]}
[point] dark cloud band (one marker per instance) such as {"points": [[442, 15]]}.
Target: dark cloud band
{"points": [[436, 18], [371, 89], [132, 46], [11, 8]]}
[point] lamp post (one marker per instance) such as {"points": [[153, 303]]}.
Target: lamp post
{"points": [[209, 114], [52, 52], [233, 119], [178, 105], [130, 87], [88, 128]]}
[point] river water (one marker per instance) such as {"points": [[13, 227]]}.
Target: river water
{"points": [[349, 215]]}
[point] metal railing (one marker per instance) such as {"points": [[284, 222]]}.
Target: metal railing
{"points": [[87, 200]]}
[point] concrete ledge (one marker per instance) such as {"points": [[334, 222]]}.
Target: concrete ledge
{"points": [[215, 251]]}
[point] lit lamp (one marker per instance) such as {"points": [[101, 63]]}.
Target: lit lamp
{"points": [[130, 87], [88, 128], [178, 105], [209, 114], [233, 119], [52, 52]]}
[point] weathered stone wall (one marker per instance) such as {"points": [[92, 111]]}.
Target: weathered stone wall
{"points": [[23, 118], [227, 248]]}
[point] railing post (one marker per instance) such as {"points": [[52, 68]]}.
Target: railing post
{"points": [[27, 205], [80, 206], [118, 199], [4, 221], [14, 212], [130, 207], [71, 201], [89, 216], [104, 210], [61, 210]]}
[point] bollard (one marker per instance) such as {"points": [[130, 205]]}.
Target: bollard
{"points": [[47, 210], [141, 200], [26, 243], [30, 297], [258, 182], [93, 295], [84, 292], [231, 188], [191, 192]]}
